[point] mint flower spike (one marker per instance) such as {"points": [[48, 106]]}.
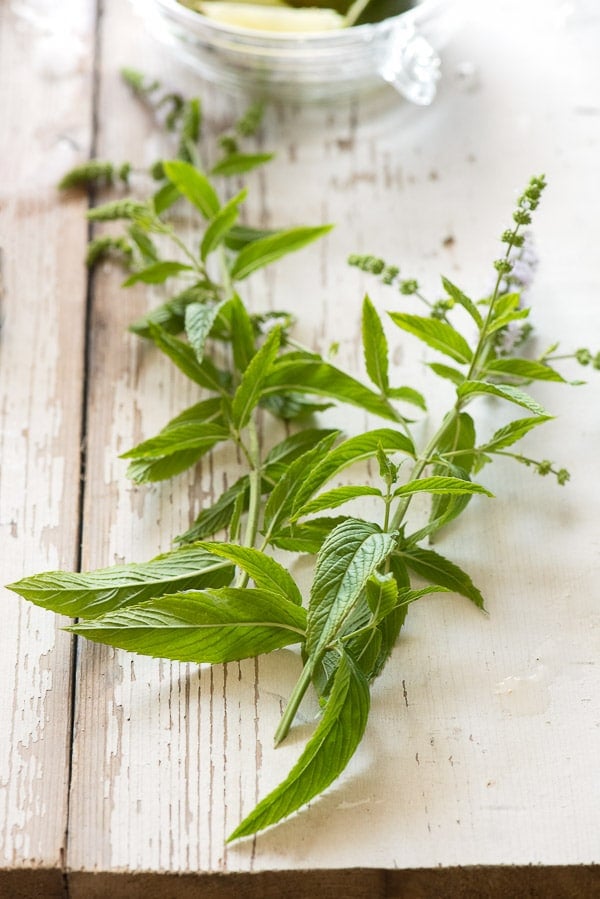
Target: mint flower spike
{"points": [[516, 274]]}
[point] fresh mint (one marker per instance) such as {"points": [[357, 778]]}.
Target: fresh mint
{"points": [[218, 598]]}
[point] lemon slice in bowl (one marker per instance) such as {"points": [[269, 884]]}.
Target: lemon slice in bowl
{"points": [[274, 17]]}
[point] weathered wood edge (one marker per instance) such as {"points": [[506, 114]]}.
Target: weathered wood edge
{"points": [[46, 104], [478, 882]]}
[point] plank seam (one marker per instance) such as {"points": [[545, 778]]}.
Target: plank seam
{"points": [[89, 299]]}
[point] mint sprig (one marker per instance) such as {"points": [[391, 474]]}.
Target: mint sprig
{"points": [[216, 600]]}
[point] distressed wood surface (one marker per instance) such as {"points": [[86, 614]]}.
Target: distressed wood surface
{"points": [[45, 102], [485, 732]]}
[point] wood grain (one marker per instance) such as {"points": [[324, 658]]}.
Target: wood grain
{"points": [[46, 113]]}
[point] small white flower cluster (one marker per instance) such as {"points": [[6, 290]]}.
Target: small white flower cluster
{"points": [[523, 270], [519, 279]]}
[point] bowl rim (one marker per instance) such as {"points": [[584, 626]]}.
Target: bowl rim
{"points": [[417, 15]]}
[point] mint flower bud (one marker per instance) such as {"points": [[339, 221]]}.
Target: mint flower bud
{"points": [[409, 286], [521, 217], [583, 356], [389, 273]]}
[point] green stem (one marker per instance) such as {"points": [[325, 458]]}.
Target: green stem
{"points": [[294, 701], [252, 452], [422, 463], [184, 249], [386, 518], [483, 335], [227, 283]]}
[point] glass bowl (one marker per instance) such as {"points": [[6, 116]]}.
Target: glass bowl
{"points": [[314, 66]]}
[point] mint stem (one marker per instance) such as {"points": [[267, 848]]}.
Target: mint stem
{"points": [[254, 507], [294, 701]]}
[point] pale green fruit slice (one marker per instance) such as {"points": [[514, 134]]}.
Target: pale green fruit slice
{"points": [[198, 5], [282, 19]]}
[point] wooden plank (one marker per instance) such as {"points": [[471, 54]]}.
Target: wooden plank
{"points": [[45, 97], [483, 742], [491, 882]]}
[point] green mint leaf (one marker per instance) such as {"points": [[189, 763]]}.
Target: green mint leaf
{"points": [[221, 625], [146, 247], [236, 518], [447, 372], [191, 126], [290, 406], [249, 391], [240, 163], [281, 501], [175, 439], [242, 334], [523, 368], [437, 334], [355, 449], [444, 485], [199, 320], [266, 573], [407, 395], [157, 273], [375, 346], [219, 515], [94, 593], [388, 472], [312, 375], [162, 468], [505, 304], [307, 537], [502, 321], [450, 507], [170, 316], [266, 250], [138, 83], [334, 498], [368, 647], [165, 197], [204, 373], [279, 456], [194, 186], [512, 432], [239, 236], [440, 571], [382, 595], [505, 391], [158, 469], [327, 753], [209, 410], [349, 556], [391, 625], [458, 439], [220, 224], [459, 297], [364, 649]]}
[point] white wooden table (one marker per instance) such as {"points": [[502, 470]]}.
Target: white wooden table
{"points": [[123, 774]]}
